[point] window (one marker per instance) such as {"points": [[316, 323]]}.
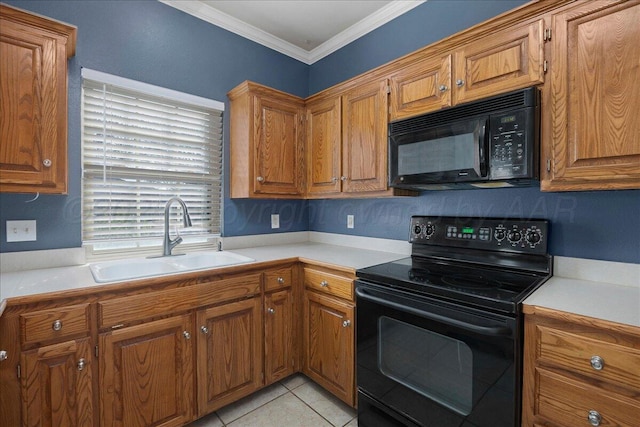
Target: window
{"points": [[142, 145]]}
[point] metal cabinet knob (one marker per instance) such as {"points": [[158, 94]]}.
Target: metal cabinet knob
{"points": [[324, 283], [459, 82], [443, 88], [597, 363], [346, 323], [334, 179], [81, 364], [271, 310], [204, 330], [343, 178], [280, 280], [3, 355], [57, 325], [186, 335], [594, 418], [47, 163], [260, 179]]}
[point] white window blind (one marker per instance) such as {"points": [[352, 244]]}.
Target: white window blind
{"points": [[141, 149]]}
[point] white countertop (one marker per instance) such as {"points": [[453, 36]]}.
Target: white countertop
{"points": [[46, 280]]}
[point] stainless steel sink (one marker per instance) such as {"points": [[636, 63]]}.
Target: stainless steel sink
{"points": [[135, 268]]}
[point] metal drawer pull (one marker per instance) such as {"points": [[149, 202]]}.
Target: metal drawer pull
{"points": [[597, 363], [204, 330], [594, 418], [260, 179], [280, 280], [346, 323], [271, 310], [443, 88], [459, 82], [324, 283], [3, 355], [57, 325], [187, 335], [47, 163], [81, 364]]}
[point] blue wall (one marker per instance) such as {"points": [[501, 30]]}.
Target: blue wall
{"points": [[154, 43], [157, 44]]}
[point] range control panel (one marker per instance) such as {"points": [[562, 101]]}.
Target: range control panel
{"points": [[513, 235]]}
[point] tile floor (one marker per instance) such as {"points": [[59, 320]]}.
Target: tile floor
{"points": [[295, 401]]}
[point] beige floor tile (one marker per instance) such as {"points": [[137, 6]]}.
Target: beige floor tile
{"points": [[353, 423], [295, 380], [244, 406], [210, 420], [324, 403], [286, 410]]}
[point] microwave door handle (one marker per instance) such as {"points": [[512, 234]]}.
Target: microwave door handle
{"points": [[483, 146], [483, 330]]}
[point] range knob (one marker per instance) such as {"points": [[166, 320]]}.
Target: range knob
{"points": [[500, 234], [533, 237], [514, 236], [429, 230], [417, 229]]}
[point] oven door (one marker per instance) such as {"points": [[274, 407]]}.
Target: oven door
{"points": [[425, 362]]}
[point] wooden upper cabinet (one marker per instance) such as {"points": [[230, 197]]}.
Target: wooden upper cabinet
{"points": [[420, 87], [364, 138], [323, 146], [500, 62], [591, 130], [267, 139], [33, 105]]}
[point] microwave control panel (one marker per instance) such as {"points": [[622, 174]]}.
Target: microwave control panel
{"points": [[510, 144]]}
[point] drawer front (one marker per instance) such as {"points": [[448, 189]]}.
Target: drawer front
{"points": [[619, 364], [569, 403], [278, 279], [331, 284], [54, 324]]}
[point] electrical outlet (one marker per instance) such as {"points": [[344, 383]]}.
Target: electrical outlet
{"points": [[275, 221], [21, 231], [349, 221]]}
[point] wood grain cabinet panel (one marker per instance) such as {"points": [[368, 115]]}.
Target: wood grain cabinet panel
{"points": [[591, 122], [279, 357], [146, 374], [579, 371], [33, 105], [323, 150], [57, 388], [230, 353]]}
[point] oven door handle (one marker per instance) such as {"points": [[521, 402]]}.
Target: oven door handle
{"points": [[483, 330]]}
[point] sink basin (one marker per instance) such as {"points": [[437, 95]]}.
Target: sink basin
{"points": [[126, 269]]}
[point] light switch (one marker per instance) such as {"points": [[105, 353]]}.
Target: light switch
{"points": [[350, 221], [275, 221], [21, 231]]}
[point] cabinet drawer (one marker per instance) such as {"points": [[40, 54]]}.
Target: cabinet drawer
{"points": [[568, 403], [54, 324], [328, 283], [278, 279], [620, 364]]}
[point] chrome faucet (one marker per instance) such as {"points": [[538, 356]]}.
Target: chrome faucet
{"points": [[169, 244]]}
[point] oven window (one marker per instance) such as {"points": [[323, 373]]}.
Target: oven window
{"points": [[431, 364], [443, 154]]}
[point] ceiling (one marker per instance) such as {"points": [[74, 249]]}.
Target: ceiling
{"points": [[307, 30]]}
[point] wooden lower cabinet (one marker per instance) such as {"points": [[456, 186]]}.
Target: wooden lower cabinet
{"points": [[579, 371], [229, 361], [329, 340], [279, 336], [57, 385], [146, 374]]}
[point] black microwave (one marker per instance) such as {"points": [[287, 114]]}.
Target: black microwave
{"points": [[488, 143]]}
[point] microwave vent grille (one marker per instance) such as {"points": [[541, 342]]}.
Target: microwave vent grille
{"points": [[519, 99]]}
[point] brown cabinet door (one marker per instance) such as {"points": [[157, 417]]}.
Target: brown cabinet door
{"points": [[329, 340], [57, 386], [146, 374], [33, 105], [594, 98], [278, 132], [500, 62], [420, 88], [229, 353], [323, 146], [364, 138], [278, 336]]}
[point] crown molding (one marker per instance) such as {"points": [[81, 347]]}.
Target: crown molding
{"points": [[213, 16]]}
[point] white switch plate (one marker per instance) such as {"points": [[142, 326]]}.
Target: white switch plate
{"points": [[349, 221], [21, 231], [275, 221]]}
